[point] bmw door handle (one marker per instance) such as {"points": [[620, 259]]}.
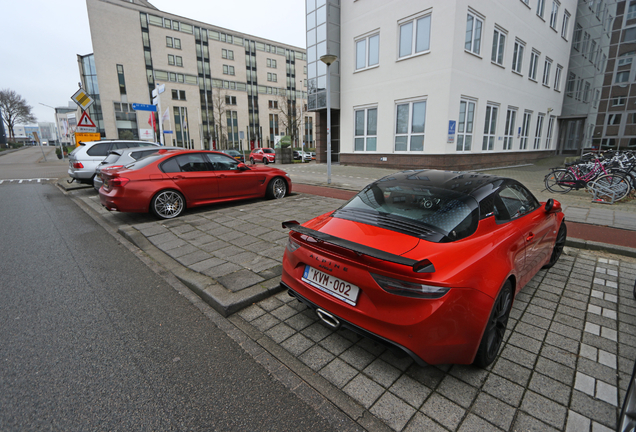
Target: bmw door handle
{"points": [[178, 177]]}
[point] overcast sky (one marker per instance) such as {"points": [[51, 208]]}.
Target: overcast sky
{"points": [[41, 39]]}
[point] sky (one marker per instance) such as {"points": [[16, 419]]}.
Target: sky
{"points": [[41, 39]]}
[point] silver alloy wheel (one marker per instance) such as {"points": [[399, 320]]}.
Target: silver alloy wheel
{"points": [[279, 188], [168, 204]]}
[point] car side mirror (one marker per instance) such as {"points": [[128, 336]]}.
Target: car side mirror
{"points": [[242, 167], [552, 206]]}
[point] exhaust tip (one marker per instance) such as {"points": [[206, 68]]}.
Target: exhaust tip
{"points": [[328, 318]]}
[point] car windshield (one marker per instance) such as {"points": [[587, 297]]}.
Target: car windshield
{"points": [[413, 207], [268, 150]]}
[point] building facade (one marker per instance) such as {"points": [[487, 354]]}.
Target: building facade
{"points": [[452, 84], [218, 88]]}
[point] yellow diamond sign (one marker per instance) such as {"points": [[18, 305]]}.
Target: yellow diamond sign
{"points": [[82, 99]]}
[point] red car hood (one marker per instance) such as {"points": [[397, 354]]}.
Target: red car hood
{"points": [[367, 235]]}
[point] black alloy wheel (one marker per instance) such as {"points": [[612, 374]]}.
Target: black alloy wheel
{"points": [[558, 246], [495, 328]]}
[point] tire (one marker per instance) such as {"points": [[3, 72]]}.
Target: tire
{"points": [[277, 188], [614, 182], [554, 181], [495, 327], [167, 204], [558, 246], [265, 161], [252, 161]]}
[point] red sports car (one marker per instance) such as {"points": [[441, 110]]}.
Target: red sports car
{"points": [[169, 181], [428, 262], [265, 155]]}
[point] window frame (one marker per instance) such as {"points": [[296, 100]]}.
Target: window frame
{"points": [[498, 49], [517, 56], [565, 24], [413, 40], [509, 128], [367, 52], [547, 65], [538, 131], [468, 129], [490, 127], [409, 134], [525, 130], [475, 41], [554, 15], [365, 136], [534, 61], [549, 132], [557, 77]]}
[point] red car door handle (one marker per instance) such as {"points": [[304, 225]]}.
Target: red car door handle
{"points": [[530, 237], [178, 177], [222, 175]]}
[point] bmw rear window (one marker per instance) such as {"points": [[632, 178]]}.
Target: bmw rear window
{"points": [[145, 161], [414, 208]]}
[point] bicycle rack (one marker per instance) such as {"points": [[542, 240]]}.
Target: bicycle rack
{"points": [[597, 189]]}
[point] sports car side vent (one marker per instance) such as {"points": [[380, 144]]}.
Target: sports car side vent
{"points": [[423, 266]]}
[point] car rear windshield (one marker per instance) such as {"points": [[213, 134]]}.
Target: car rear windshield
{"points": [[415, 208]]}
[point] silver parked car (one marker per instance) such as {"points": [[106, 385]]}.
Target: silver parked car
{"points": [[120, 158], [85, 158]]}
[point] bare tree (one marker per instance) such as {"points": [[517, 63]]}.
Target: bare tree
{"points": [[289, 116], [218, 112], [14, 110]]}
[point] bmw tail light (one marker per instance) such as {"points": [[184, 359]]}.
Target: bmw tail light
{"points": [[118, 182], [78, 165], [409, 289]]}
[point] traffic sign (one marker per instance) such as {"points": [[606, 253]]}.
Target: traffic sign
{"points": [[167, 131], [82, 99], [85, 121], [144, 107]]}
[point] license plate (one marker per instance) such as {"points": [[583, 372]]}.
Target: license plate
{"points": [[338, 288]]}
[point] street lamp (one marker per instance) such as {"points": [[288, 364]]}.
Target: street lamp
{"points": [[328, 59], [302, 132]]}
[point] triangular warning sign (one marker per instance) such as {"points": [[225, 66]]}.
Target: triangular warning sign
{"points": [[85, 121]]}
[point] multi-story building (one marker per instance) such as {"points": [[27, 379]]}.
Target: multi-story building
{"points": [[452, 84], [616, 124], [221, 88]]}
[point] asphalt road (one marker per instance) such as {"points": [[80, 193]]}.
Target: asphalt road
{"points": [[92, 339]]}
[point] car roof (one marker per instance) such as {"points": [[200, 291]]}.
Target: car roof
{"points": [[475, 184]]}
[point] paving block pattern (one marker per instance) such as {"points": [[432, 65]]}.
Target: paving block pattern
{"points": [[564, 365]]}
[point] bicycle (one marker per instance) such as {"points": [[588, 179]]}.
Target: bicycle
{"points": [[575, 176]]}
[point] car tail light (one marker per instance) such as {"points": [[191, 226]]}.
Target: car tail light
{"points": [[409, 289], [292, 246], [77, 165], [118, 182]]}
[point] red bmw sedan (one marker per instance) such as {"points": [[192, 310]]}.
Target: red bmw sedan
{"points": [[171, 180], [427, 262]]}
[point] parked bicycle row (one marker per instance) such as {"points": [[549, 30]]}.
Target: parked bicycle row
{"points": [[610, 176]]}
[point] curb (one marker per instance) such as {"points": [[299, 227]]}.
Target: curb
{"points": [[598, 246]]}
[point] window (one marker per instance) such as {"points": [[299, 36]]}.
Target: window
{"points": [[227, 54], [618, 101], [415, 36], [473, 34], [554, 14], [578, 31], [569, 87], [177, 43], [579, 87], [629, 35], [171, 59], [366, 129], [592, 52], [228, 70], [490, 127], [534, 59], [121, 79], [517, 57], [548, 137], [498, 46], [272, 77], [622, 77], [597, 97], [169, 42], [509, 131], [465, 125], [613, 119], [586, 44], [538, 131], [409, 127], [230, 100], [564, 26], [557, 78], [525, 130], [367, 52], [178, 95], [626, 58], [586, 92], [273, 104], [514, 201], [271, 63], [631, 10], [540, 7], [179, 61], [546, 72]]}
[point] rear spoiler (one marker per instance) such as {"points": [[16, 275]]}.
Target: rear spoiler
{"points": [[423, 266]]}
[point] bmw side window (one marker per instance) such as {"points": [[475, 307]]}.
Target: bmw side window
{"points": [[221, 162], [170, 166], [99, 150], [192, 163]]}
